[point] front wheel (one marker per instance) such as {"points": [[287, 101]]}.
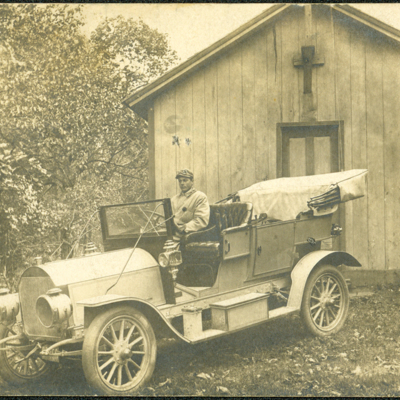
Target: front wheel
{"points": [[325, 301], [119, 352], [17, 365]]}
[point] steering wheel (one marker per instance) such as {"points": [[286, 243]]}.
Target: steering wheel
{"points": [[157, 219]]}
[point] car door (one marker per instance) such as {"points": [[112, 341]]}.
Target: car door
{"points": [[274, 248]]}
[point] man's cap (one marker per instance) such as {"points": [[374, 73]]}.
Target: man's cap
{"points": [[184, 173]]}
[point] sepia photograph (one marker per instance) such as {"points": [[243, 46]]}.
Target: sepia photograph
{"points": [[200, 199]]}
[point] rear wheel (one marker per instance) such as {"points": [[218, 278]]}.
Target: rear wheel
{"points": [[17, 366], [325, 301], [119, 352]]}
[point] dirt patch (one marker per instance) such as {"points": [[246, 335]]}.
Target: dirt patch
{"points": [[276, 359]]}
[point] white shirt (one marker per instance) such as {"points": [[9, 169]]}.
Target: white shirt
{"points": [[191, 210]]}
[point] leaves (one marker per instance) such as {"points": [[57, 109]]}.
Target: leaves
{"points": [[228, 361], [223, 389], [167, 382], [63, 127], [64, 107], [203, 375], [357, 370]]}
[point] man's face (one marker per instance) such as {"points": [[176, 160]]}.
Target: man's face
{"points": [[185, 184]]}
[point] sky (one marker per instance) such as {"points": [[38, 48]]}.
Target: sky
{"points": [[193, 27], [190, 27]]}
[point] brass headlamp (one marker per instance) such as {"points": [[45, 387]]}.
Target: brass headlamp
{"points": [[53, 308], [171, 257]]}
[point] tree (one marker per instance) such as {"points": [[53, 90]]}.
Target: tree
{"points": [[62, 121], [63, 93], [19, 206]]}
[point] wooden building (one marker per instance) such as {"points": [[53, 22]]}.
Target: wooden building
{"points": [[298, 90]]}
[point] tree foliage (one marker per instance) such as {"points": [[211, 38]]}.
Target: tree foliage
{"points": [[63, 128]]}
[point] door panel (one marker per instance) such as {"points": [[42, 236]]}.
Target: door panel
{"points": [[309, 150], [275, 247], [297, 150], [322, 161], [235, 244]]}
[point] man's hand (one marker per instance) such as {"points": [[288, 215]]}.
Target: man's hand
{"points": [[180, 228]]}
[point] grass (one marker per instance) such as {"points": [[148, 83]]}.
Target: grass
{"points": [[276, 359]]}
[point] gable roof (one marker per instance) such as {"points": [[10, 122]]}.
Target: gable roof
{"points": [[140, 100]]}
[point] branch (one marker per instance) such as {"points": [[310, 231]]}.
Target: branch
{"points": [[108, 163]]}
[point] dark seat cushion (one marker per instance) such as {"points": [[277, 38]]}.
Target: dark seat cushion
{"points": [[222, 216], [231, 215], [208, 249]]}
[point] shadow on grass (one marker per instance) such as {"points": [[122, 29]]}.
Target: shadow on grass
{"points": [[278, 358], [183, 362]]}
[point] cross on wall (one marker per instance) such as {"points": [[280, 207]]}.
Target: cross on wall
{"points": [[307, 61]]}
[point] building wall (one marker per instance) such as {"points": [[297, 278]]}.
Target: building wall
{"points": [[229, 111]]}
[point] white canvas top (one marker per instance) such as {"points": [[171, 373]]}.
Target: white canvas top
{"points": [[285, 198]]}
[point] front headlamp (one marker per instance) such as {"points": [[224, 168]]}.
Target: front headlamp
{"points": [[53, 308], [163, 260], [170, 259]]}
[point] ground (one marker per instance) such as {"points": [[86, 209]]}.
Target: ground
{"points": [[276, 359]]}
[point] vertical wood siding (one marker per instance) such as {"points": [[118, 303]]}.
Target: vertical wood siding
{"points": [[249, 114], [164, 132], [184, 129], [229, 111], [359, 139], [391, 144], [375, 162], [223, 126], [236, 121], [261, 97], [274, 86], [211, 133], [290, 76], [325, 75], [199, 129], [342, 75]]}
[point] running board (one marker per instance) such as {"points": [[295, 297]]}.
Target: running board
{"points": [[281, 312], [231, 316]]}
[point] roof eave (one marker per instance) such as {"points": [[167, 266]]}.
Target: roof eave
{"points": [[368, 20], [134, 100], [141, 100]]}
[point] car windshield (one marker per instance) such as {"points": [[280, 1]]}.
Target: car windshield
{"points": [[136, 219]]}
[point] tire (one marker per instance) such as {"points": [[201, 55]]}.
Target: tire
{"points": [[14, 370], [114, 364], [325, 301]]}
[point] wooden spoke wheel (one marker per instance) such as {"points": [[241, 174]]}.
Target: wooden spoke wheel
{"points": [[325, 301], [17, 365], [119, 351]]}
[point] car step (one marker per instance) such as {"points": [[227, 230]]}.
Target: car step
{"points": [[230, 316]]}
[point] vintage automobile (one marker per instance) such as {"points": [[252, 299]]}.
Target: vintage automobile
{"points": [[267, 252]]}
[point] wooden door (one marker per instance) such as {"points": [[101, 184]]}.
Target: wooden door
{"points": [[305, 149], [308, 150]]}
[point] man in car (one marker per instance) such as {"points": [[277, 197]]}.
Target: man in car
{"points": [[190, 206]]}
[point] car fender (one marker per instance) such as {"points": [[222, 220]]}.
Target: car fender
{"points": [[303, 268], [96, 305]]}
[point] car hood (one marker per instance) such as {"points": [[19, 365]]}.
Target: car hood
{"points": [[66, 272]]}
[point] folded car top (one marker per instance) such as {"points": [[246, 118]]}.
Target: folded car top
{"points": [[285, 198]]}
